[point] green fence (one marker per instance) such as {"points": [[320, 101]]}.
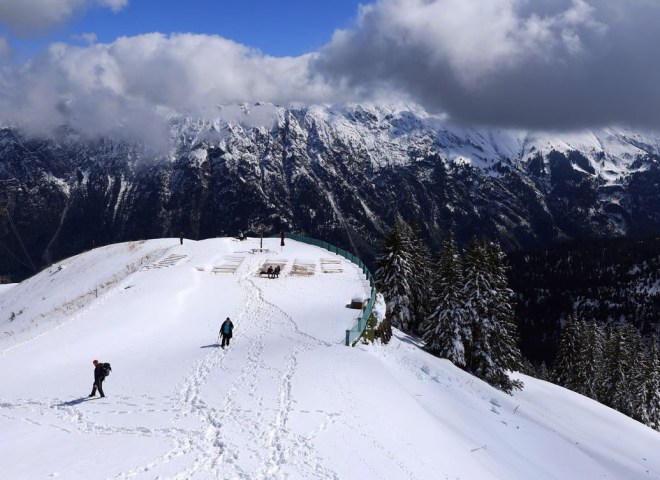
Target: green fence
{"points": [[356, 331]]}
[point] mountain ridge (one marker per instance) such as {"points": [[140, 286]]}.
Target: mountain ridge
{"points": [[342, 174]]}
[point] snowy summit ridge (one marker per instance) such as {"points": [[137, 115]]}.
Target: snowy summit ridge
{"points": [[389, 133], [286, 399]]}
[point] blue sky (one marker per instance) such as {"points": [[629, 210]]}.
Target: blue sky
{"points": [[535, 64], [278, 28]]}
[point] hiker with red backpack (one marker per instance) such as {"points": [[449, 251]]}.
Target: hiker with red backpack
{"points": [[101, 370]]}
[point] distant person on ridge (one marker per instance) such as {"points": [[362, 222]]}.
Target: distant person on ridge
{"points": [[181, 237], [226, 330], [101, 370]]}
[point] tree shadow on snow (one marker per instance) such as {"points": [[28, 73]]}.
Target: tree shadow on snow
{"points": [[405, 338], [213, 345]]}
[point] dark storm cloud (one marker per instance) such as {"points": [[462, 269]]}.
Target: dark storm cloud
{"points": [[532, 64]]}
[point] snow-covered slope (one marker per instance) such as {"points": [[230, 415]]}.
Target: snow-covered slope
{"points": [[286, 400]]}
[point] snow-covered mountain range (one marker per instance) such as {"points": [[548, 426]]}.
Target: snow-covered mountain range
{"points": [[341, 174], [286, 399]]}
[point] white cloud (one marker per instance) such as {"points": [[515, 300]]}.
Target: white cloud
{"points": [[102, 87], [89, 38], [30, 17], [115, 5]]}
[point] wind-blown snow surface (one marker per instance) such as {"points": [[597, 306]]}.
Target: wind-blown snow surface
{"points": [[286, 400]]}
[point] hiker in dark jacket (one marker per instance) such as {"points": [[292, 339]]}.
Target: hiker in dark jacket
{"points": [[101, 370], [226, 330]]}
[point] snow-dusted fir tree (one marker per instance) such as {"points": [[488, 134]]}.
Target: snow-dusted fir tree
{"points": [[621, 357], [589, 366], [505, 342], [422, 279], [475, 292], [647, 393], [568, 354], [393, 276], [646, 387], [446, 331], [487, 308]]}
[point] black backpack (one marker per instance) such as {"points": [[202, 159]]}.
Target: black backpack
{"points": [[105, 369]]}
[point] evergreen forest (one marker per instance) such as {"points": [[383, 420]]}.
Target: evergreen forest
{"points": [[582, 315]]}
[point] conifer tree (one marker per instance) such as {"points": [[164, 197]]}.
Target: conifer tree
{"points": [[568, 354], [634, 358], [423, 277], [620, 359], [506, 339], [394, 275], [589, 366], [475, 290], [446, 332], [650, 394], [642, 387], [490, 350], [543, 373]]}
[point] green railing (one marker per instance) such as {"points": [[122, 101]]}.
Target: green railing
{"points": [[355, 332]]}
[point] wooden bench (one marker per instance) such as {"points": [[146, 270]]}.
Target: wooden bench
{"points": [[303, 268], [272, 263], [331, 265]]}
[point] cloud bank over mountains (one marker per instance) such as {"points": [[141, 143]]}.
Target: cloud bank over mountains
{"points": [[541, 64], [136, 81], [532, 64]]}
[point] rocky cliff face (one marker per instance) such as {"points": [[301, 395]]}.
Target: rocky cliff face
{"points": [[340, 175]]}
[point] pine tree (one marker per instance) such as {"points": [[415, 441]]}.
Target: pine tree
{"points": [[634, 359], [446, 331], [568, 354], [422, 279], [589, 366], [650, 395], [620, 358], [543, 373], [475, 292], [506, 345], [394, 274], [640, 387], [491, 349]]}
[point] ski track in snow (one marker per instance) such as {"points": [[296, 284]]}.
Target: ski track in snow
{"points": [[246, 412], [269, 442], [208, 449]]}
